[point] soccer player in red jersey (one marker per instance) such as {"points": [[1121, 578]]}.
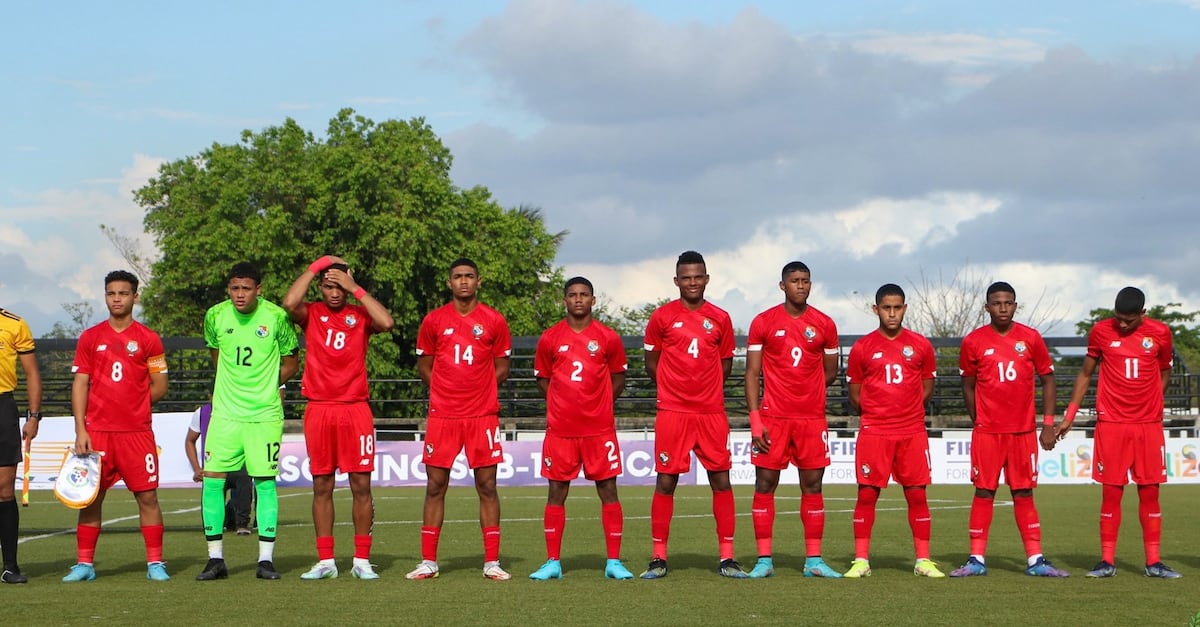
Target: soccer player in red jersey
{"points": [[689, 355], [339, 430], [1134, 354], [890, 375], [120, 371], [463, 349], [794, 346], [1000, 363], [580, 368]]}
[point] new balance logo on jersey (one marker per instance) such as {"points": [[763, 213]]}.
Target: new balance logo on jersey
{"points": [[878, 355], [229, 331], [449, 331], [101, 348], [324, 318], [1115, 344], [564, 348], [780, 333], [677, 325], [990, 351]]}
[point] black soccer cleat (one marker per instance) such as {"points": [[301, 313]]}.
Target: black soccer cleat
{"points": [[13, 575], [266, 570], [214, 569]]}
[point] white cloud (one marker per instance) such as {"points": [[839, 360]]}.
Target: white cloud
{"points": [[963, 49]]}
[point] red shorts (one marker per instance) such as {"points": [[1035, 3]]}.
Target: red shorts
{"points": [[1121, 451], [803, 443], [128, 455], [481, 437], [339, 436], [598, 455], [905, 457], [677, 434], [1014, 453]]}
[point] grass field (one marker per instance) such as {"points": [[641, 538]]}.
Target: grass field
{"points": [[692, 594]]}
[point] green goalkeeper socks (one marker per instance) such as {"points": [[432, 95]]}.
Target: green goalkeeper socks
{"points": [[267, 509], [212, 507]]}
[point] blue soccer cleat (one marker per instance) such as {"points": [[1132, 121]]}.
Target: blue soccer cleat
{"points": [[1103, 569], [157, 571], [763, 568], [816, 567], [972, 568], [1161, 570], [614, 569], [1043, 568], [80, 572], [552, 569]]}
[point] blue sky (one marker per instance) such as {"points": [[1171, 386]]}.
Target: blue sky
{"points": [[878, 141]]}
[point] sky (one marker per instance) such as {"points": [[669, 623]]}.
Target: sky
{"points": [[1053, 145]]}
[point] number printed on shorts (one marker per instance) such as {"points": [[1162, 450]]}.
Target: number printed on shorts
{"points": [[366, 445], [612, 450], [150, 465], [272, 452], [494, 438]]}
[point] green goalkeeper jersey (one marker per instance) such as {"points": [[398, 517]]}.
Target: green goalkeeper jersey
{"points": [[249, 348]]}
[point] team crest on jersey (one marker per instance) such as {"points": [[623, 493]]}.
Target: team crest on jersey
{"points": [[351, 320], [708, 325], [593, 346], [547, 461], [428, 449], [865, 469], [810, 333], [262, 331], [1019, 347], [131, 347], [663, 458], [907, 351], [477, 330], [1147, 343]]}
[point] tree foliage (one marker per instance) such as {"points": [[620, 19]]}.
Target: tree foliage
{"points": [[81, 314], [627, 320], [1186, 336], [942, 305], [377, 194]]}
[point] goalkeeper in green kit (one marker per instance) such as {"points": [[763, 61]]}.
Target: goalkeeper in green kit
{"points": [[253, 345]]}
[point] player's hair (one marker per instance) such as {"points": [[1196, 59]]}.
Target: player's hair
{"points": [[1130, 300], [122, 275], [690, 256], [888, 289], [794, 266], [1001, 286], [578, 280], [335, 266], [463, 261], [245, 270]]}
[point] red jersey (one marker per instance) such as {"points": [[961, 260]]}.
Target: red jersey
{"points": [[335, 347], [118, 366], [464, 350], [1130, 387], [1005, 368], [793, 360], [692, 345], [580, 366], [892, 373]]}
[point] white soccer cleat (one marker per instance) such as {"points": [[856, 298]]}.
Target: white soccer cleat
{"points": [[365, 571], [321, 571], [492, 571], [425, 570]]}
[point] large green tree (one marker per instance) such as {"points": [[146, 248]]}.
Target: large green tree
{"points": [[377, 194], [1186, 335]]}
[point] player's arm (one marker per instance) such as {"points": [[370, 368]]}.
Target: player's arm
{"points": [[618, 383], [158, 386], [501, 364], [543, 386], [855, 396], [381, 318], [968, 388], [293, 301], [726, 368], [758, 434], [926, 390], [652, 365], [79, 399], [33, 390], [425, 368], [1082, 380], [1049, 434], [1166, 380], [288, 365], [215, 354], [830, 363], [189, 449]]}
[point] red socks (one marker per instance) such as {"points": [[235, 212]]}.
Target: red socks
{"points": [[762, 514], [1110, 521], [980, 523], [919, 520], [491, 544], [1150, 514], [812, 514], [613, 519], [662, 508], [553, 520], [85, 543], [864, 520], [362, 547], [324, 547], [429, 542], [1028, 524], [725, 513]]}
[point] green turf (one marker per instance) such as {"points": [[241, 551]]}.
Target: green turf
{"points": [[692, 594]]}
